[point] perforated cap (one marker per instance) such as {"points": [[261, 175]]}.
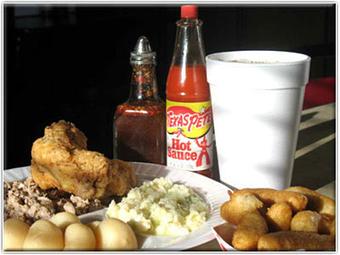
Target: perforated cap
{"points": [[143, 53], [189, 11]]}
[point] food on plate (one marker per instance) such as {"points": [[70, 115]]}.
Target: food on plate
{"points": [[307, 221], [93, 224], [279, 216], [44, 235], [63, 219], [291, 240], [114, 234], [251, 227], [297, 201], [327, 224], [332, 228], [239, 204], [15, 232], [60, 159], [316, 201], [161, 207], [292, 224], [79, 237], [109, 234], [311, 221], [24, 200]]}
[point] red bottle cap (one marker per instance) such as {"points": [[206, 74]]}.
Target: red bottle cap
{"points": [[189, 11]]}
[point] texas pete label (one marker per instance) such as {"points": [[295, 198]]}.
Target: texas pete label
{"points": [[189, 135]]}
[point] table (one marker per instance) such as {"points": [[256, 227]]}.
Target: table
{"points": [[315, 152]]}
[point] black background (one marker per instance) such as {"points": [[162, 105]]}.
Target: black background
{"points": [[72, 62]]}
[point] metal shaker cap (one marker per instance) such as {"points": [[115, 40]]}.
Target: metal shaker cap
{"points": [[142, 53]]}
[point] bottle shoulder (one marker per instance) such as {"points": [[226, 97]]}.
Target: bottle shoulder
{"points": [[187, 84], [141, 108], [187, 99]]}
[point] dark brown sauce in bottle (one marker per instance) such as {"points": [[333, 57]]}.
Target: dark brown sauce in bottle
{"points": [[139, 123]]}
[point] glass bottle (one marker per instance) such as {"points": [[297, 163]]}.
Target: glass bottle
{"points": [[139, 123], [188, 106]]}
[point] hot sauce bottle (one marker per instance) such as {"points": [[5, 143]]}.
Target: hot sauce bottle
{"points": [[188, 106], [139, 123]]}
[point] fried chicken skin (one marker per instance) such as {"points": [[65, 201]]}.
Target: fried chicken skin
{"points": [[279, 216], [239, 204], [297, 201], [316, 201], [60, 159], [292, 241], [252, 226], [327, 224], [307, 221]]}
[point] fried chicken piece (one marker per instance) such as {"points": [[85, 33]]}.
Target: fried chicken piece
{"points": [[239, 204], [307, 221], [316, 201], [327, 224], [43, 177], [279, 216], [252, 226], [292, 241], [61, 160], [296, 200]]}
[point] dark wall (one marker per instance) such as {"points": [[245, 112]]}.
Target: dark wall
{"points": [[72, 62]]}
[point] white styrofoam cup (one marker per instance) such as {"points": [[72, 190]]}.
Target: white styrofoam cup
{"points": [[257, 99]]}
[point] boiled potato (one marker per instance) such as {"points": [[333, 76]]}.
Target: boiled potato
{"points": [[93, 224], [44, 235], [63, 219], [114, 234], [15, 232], [79, 237]]}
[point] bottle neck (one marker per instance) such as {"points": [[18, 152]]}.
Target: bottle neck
{"points": [[189, 49], [187, 81], [143, 83]]}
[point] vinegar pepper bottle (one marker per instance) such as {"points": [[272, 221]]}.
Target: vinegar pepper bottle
{"points": [[139, 123], [188, 106]]}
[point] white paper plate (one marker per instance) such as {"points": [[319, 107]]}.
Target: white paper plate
{"points": [[213, 192]]}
